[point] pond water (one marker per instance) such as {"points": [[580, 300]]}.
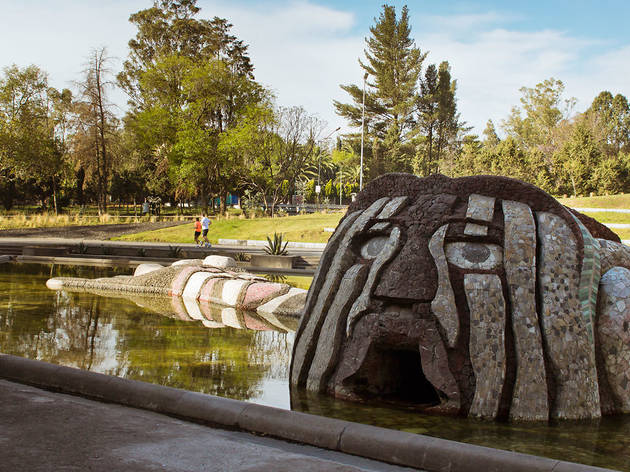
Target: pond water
{"points": [[150, 339]]}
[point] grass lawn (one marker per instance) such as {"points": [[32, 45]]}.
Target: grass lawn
{"points": [[609, 216], [300, 228], [622, 233], [607, 201], [297, 281]]}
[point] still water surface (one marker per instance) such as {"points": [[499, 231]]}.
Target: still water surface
{"points": [[145, 339]]}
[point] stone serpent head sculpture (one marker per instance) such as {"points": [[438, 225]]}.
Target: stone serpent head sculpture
{"points": [[479, 296]]}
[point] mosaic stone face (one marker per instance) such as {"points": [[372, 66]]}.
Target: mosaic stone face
{"points": [[476, 296]]}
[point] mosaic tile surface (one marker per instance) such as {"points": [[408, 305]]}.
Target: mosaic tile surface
{"points": [[362, 302], [589, 280], [474, 256], [443, 305], [613, 254], [613, 327], [473, 229], [334, 327], [484, 294], [328, 277], [480, 207], [564, 331], [530, 400]]}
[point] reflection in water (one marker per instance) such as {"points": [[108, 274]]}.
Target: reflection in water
{"points": [[124, 336]]}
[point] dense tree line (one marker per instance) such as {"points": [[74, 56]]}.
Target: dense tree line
{"points": [[544, 144], [199, 126]]}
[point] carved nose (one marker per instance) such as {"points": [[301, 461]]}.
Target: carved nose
{"points": [[411, 276]]}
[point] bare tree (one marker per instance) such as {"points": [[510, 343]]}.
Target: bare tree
{"points": [[97, 120]]}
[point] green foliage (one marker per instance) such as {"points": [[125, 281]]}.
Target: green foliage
{"points": [[275, 247], [609, 120], [330, 190], [274, 147], [544, 109], [189, 82], [411, 121], [33, 131], [309, 191], [276, 278], [242, 257], [438, 120]]}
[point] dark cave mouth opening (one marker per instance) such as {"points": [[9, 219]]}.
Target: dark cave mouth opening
{"points": [[393, 375]]}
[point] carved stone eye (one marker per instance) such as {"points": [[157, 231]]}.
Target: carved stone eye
{"points": [[474, 256], [371, 248]]}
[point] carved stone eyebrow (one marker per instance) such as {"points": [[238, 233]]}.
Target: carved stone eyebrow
{"points": [[473, 229], [480, 207]]}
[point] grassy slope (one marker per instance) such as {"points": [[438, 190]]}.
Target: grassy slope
{"points": [[609, 201], [302, 228], [309, 228]]}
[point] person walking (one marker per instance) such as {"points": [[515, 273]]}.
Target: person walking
{"points": [[197, 231], [205, 226]]}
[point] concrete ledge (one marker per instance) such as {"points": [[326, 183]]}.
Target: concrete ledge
{"points": [[396, 447], [133, 263], [45, 251], [430, 453], [261, 243], [267, 260], [292, 425]]}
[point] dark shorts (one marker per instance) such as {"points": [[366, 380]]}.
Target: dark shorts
{"points": [[197, 233], [205, 232]]}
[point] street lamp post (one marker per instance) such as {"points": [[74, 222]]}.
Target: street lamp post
{"points": [[362, 133]]}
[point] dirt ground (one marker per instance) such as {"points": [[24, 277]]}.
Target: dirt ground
{"points": [[100, 232]]}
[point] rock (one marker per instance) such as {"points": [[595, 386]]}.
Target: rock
{"points": [[219, 261], [188, 262], [292, 303], [54, 284], [484, 307], [146, 268]]}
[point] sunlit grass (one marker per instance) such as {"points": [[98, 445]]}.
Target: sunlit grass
{"points": [[621, 201], [609, 216], [604, 201], [49, 220], [300, 228]]}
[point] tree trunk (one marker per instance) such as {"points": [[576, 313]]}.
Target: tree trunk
{"points": [[54, 189]]}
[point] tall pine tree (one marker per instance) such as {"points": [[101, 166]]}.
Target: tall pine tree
{"points": [[393, 64], [437, 118]]}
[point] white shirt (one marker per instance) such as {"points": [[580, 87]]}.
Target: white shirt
{"points": [[205, 222]]}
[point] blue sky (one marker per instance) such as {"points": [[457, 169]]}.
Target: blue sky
{"points": [[304, 49]]}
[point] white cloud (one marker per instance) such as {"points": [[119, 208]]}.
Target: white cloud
{"points": [[303, 50], [300, 50], [459, 23], [608, 71], [492, 65]]}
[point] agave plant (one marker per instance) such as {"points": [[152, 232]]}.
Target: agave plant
{"points": [[242, 257], [275, 246]]}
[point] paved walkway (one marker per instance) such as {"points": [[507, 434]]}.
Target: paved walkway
{"points": [[45, 431]]}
